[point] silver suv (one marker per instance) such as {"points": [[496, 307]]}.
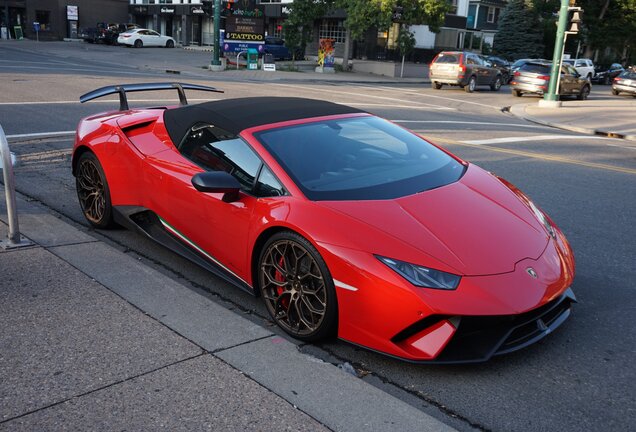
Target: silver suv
{"points": [[464, 69]]}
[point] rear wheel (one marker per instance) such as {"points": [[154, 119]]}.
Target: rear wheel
{"points": [[170, 44], [615, 92], [470, 87], [496, 85], [584, 93], [93, 192], [297, 288], [516, 93], [436, 85], [138, 43]]}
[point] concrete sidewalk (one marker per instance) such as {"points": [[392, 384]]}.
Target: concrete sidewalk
{"points": [[614, 116], [93, 339]]}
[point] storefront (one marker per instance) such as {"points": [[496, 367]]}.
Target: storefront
{"points": [[188, 24]]}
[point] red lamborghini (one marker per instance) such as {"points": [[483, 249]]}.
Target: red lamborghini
{"points": [[344, 223]]}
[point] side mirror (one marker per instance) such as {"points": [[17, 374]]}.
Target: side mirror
{"points": [[217, 182]]}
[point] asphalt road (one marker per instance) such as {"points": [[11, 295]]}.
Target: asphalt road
{"points": [[579, 378]]}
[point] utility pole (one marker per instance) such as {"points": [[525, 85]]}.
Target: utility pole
{"points": [[216, 62], [551, 97]]}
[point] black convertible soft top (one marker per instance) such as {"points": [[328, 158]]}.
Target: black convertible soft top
{"points": [[236, 115]]}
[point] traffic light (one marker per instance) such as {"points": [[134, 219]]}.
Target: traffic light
{"points": [[575, 20]]}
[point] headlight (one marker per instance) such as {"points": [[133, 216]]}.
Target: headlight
{"points": [[422, 276], [542, 218]]}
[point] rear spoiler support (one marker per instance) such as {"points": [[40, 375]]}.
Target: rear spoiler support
{"points": [[122, 89]]}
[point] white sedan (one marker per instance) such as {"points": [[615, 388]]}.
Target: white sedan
{"points": [[144, 37]]}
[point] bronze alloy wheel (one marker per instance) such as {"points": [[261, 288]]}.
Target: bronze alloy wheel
{"points": [[92, 191], [296, 287]]}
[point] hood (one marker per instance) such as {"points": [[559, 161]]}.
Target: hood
{"points": [[476, 226]]}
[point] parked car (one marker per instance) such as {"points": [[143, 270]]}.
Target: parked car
{"points": [[503, 65], [276, 47], [342, 222], [625, 83], [585, 67], [606, 74], [464, 69], [114, 30], [534, 78], [518, 63], [143, 37], [95, 34]]}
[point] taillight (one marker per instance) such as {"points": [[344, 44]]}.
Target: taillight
{"points": [[544, 77], [617, 79], [517, 73]]}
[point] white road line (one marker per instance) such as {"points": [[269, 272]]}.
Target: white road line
{"points": [[115, 71], [42, 134], [357, 104], [473, 123], [102, 101], [392, 99], [532, 138], [428, 95]]}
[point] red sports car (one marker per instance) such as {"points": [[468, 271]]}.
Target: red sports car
{"points": [[344, 223]]}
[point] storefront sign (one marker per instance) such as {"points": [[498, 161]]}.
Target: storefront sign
{"points": [[140, 9], [167, 10], [197, 10], [244, 25], [251, 37], [72, 14], [235, 47], [247, 8]]}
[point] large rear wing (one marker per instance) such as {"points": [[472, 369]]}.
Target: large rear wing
{"points": [[122, 89]]}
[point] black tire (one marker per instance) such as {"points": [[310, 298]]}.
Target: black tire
{"points": [[505, 78], [436, 85], [516, 93], [93, 192], [470, 86], [496, 85], [615, 92], [300, 296], [170, 44], [584, 93], [138, 43]]}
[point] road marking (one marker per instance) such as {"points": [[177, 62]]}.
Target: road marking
{"points": [[392, 99], [533, 138], [411, 107], [89, 69], [412, 92], [42, 134], [539, 156], [102, 101], [473, 123]]}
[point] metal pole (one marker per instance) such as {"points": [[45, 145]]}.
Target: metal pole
{"points": [[9, 190], [551, 95], [217, 33]]}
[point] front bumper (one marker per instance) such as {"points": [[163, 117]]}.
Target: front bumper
{"points": [[528, 88]]}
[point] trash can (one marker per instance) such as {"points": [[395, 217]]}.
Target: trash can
{"points": [[252, 58]]}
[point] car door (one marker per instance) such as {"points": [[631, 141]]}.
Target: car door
{"points": [[206, 221], [153, 38]]}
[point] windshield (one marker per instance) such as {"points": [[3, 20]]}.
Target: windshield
{"points": [[362, 158]]}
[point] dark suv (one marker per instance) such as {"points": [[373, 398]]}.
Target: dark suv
{"points": [[464, 69], [534, 78]]}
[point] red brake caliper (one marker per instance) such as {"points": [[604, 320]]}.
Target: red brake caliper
{"points": [[280, 278]]}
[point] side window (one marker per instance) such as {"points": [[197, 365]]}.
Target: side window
{"points": [[153, 33], [470, 60], [267, 185], [214, 149]]}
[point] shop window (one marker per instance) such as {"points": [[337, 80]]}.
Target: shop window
{"points": [[44, 18], [492, 13], [332, 29]]}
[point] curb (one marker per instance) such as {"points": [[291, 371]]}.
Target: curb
{"points": [[519, 111]]}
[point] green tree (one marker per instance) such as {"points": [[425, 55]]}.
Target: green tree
{"points": [[610, 24], [298, 26], [520, 34]]}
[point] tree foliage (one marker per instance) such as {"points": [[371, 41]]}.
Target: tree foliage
{"points": [[520, 34], [610, 24], [299, 24]]}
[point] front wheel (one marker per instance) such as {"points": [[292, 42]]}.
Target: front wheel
{"points": [[436, 85], [516, 93], [93, 191], [615, 92], [170, 44], [584, 93], [470, 87], [297, 287], [496, 85], [138, 43]]}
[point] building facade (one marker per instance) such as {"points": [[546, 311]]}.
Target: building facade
{"points": [[483, 22], [57, 19]]}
